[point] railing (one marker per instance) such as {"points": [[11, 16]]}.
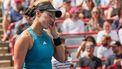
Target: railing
{"points": [[68, 35], [86, 20]]}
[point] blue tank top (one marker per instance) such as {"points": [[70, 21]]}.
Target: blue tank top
{"points": [[40, 55]]}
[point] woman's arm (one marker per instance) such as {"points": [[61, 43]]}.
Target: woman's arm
{"points": [[59, 53], [78, 52], [80, 49], [20, 50]]}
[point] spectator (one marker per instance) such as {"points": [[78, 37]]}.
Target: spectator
{"points": [[89, 60], [23, 24], [73, 25], [96, 22], [117, 23], [104, 51], [80, 51], [113, 11], [14, 16], [107, 31], [87, 8], [19, 28], [115, 59]]}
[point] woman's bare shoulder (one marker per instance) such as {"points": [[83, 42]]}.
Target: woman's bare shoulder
{"points": [[25, 36], [24, 39]]}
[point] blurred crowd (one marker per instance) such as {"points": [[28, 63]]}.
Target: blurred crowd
{"points": [[101, 16]]}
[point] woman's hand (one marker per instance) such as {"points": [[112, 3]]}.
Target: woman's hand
{"points": [[53, 30]]}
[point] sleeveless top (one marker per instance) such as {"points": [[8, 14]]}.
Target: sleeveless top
{"points": [[40, 55]]}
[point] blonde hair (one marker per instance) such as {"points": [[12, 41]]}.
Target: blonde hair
{"points": [[96, 10]]}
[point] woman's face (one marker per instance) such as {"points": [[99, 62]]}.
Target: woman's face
{"points": [[47, 19], [89, 48], [107, 27], [95, 14]]}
